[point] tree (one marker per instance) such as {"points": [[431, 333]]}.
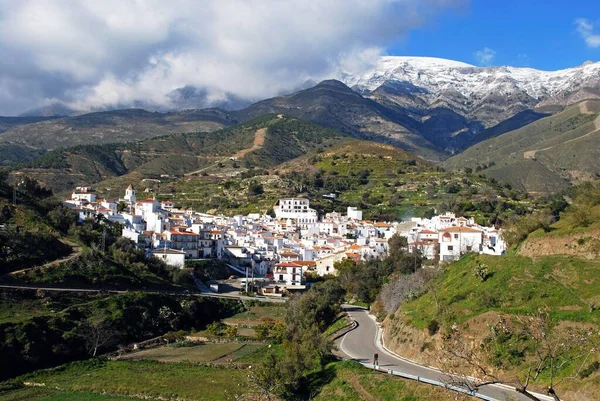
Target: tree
{"points": [[98, 334], [121, 206], [62, 218], [404, 287], [262, 331], [231, 332], [266, 377], [547, 353], [256, 188]]}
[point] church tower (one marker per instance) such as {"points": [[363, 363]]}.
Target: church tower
{"points": [[130, 195]]}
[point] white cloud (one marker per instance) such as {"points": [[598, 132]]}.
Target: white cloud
{"points": [[485, 56], [586, 30], [91, 53]]}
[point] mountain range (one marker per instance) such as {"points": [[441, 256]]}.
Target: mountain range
{"points": [[433, 108]]}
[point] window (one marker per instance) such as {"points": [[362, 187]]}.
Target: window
{"points": [[469, 247], [455, 236], [450, 247]]}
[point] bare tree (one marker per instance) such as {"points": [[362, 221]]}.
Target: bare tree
{"points": [[550, 353], [98, 333], [404, 287]]}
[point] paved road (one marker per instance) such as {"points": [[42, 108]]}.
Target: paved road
{"points": [[191, 294], [361, 343]]}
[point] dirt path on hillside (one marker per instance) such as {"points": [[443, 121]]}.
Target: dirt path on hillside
{"points": [[259, 140], [583, 109], [75, 251]]}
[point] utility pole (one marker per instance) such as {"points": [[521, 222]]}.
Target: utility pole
{"points": [[246, 279], [252, 267], [104, 239]]}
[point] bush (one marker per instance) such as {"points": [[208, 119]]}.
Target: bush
{"points": [[433, 327], [591, 368]]}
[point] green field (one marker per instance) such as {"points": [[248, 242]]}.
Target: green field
{"points": [[256, 314], [143, 379], [197, 354], [46, 394], [129, 380]]}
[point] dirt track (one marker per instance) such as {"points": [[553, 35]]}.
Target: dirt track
{"points": [[76, 251], [259, 140], [583, 109]]}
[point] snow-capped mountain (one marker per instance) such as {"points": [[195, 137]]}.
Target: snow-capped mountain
{"points": [[486, 94]]}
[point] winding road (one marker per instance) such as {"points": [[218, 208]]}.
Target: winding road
{"points": [[361, 343]]}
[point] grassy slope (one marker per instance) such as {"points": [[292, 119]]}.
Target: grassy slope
{"points": [[398, 185], [559, 277], [566, 237], [551, 169], [176, 154], [113, 126], [518, 285], [153, 380]]}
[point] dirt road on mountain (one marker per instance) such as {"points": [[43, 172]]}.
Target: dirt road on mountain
{"points": [[259, 140], [583, 109], [75, 251]]}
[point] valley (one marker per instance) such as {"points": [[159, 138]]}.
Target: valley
{"points": [[459, 204]]}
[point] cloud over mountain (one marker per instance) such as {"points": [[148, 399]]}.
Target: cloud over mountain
{"points": [[91, 54], [586, 29]]}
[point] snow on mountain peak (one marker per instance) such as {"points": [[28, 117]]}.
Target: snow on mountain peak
{"points": [[438, 75]]}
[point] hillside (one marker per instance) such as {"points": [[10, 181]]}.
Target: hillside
{"points": [[385, 182], [491, 301], [180, 154], [111, 127], [544, 156], [333, 104], [7, 123], [575, 234]]}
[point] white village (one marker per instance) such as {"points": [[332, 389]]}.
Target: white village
{"points": [[286, 248]]}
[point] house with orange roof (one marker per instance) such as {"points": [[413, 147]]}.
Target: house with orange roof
{"points": [[456, 241], [289, 273]]}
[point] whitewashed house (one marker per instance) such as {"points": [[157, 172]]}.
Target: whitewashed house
{"points": [[456, 241], [171, 257]]}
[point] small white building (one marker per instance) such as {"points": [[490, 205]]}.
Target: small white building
{"points": [[456, 241], [87, 194], [171, 257], [288, 272], [354, 213], [297, 209]]}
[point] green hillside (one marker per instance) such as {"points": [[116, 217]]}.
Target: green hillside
{"points": [[494, 301], [385, 182], [179, 154], [544, 156]]}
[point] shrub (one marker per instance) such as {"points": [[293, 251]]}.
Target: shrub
{"points": [[591, 368], [433, 327]]}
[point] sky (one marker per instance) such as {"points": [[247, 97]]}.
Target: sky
{"points": [[547, 35], [90, 55]]}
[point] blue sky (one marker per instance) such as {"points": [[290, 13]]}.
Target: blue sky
{"points": [[538, 34]]}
